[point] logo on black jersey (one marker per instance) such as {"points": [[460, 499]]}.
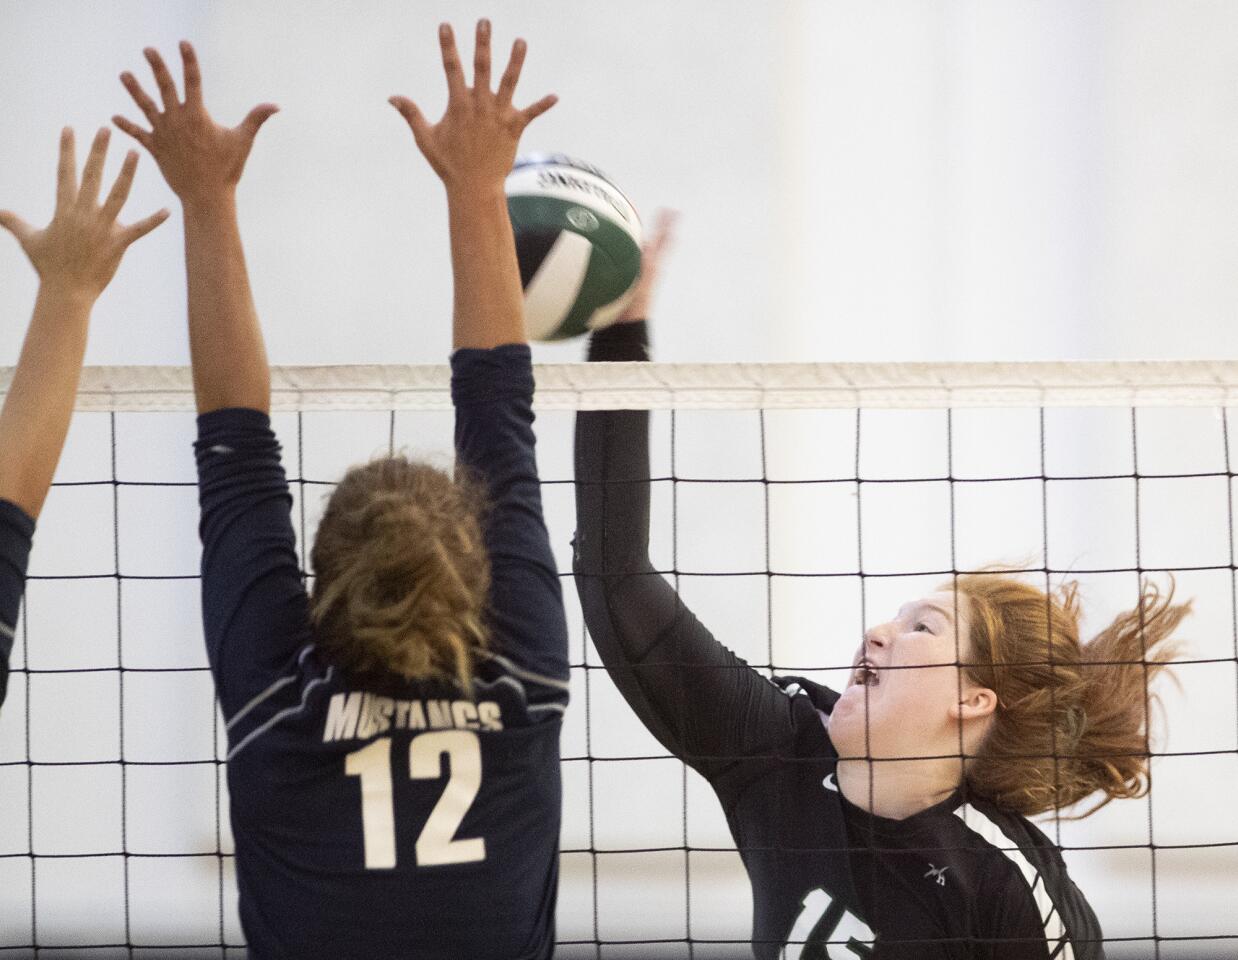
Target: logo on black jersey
{"points": [[830, 783], [939, 874]]}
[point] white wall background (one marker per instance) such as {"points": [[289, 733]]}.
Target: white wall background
{"points": [[897, 180]]}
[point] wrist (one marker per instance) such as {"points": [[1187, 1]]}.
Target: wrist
{"points": [[209, 204], [473, 192], [69, 292]]}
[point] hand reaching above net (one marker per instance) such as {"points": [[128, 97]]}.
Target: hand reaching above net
{"points": [[199, 158]]}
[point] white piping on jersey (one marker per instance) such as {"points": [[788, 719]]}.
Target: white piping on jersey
{"points": [[988, 829], [7, 631], [512, 681], [291, 711], [277, 685], [560, 707], [528, 674]]}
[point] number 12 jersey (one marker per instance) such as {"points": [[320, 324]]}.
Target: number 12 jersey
{"points": [[386, 818]]}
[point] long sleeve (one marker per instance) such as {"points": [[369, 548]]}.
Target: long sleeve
{"points": [[703, 703], [493, 395], [16, 534], [254, 605]]}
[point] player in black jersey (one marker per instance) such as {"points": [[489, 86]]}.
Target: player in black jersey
{"points": [[76, 256], [915, 856], [393, 740]]}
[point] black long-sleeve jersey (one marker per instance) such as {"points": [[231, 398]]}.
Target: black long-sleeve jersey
{"points": [[962, 879], [16, 535], [388, 819]]}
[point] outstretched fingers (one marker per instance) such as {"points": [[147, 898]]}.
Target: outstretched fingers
{"points": [[415, 119], [137, 231], [120, 189], [529, 114], [663, 232], [148, 106], [66, 170], [511, 76], [92, 174], [451, 61], [163, 78], [481, 59], [256, 118], [128, 126], [193, 75], [16, 226]]}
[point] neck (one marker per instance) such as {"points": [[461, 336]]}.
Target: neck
{"points": [[898, 789]]}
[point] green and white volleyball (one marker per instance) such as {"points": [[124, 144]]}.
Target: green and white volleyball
{"points": [[578, 240]]}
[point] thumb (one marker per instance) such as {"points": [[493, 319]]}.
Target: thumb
{"points": [[16, 226], [256, 118], [415, 119]]}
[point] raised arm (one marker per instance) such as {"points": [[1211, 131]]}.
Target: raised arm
{"points": [[472, 149], [202, 163], [254, 606], [76, 256], [703, 703]]}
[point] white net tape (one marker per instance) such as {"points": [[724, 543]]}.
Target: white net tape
{"points": [[706, 386]]}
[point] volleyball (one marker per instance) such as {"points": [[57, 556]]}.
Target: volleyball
{"points": [[578, 240]]}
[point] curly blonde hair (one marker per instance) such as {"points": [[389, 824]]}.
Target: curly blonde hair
{"points": [[1072, 718], [402, 573]]}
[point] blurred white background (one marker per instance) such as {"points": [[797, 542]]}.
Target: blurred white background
{"points": [[899, 180]]}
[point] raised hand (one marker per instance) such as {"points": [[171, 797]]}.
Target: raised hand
{"points": [[475, 141], [81, 248], [652, 252], [200, 159]]}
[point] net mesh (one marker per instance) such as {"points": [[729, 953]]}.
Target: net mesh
{"points": [[845, 490]]}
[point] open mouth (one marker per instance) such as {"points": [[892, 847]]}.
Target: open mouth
{"points": [[866, 674]]}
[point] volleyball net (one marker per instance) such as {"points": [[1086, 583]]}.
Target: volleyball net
{"points": [[793, 505]]}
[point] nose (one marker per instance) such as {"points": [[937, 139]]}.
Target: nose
{"points": [[875, 637]]}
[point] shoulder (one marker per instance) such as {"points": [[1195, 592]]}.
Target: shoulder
{"points": [[1028, 876]]}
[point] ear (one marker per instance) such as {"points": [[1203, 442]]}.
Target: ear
{"points": [[976, 703]]}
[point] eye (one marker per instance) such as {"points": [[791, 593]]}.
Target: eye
{"points": [[922, 627]]}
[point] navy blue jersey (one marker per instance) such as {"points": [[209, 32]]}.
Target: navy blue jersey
{"points": [[385, 819], [962, 880], [16, 533]]}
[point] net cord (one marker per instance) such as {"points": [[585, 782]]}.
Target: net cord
{"points": [[719, 386]]}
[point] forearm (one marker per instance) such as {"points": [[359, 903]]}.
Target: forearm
{"points": [[612, 467], [488, 300], [225, 341], [40, 400]]}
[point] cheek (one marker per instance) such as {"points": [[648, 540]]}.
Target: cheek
{"points": [[928, 693]]}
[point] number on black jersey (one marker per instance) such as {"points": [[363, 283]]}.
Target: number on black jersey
{"points": [[825, 931], [436, 844]]}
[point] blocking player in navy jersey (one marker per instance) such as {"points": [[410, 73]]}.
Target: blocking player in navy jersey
{"points": [[76, 256], [862, 830], [393, 738]]}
